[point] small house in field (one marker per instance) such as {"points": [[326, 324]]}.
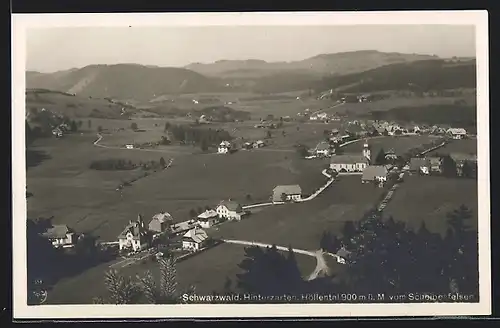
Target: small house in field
{"points": [[160, 223], [287, 193], [208, 219], [134, 236], [224, 147], [420, 165], [60, 236], [391, 155], [230, 210], [194, 240], [374, 173], [129, 146], [457, 133]]}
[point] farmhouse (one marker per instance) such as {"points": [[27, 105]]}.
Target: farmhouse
{"points": [[323, 149], [374, 173], [224, 147], [160, 223], [208, 218], [194, 240], [230, 210], [57, 133], [435, 164], [60, 236], [457, 133], [287, 193], [134, 236], [420, 165], [259, 144], [129, 146], [248, 145]]}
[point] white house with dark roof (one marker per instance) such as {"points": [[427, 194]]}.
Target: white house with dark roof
{"points": [[230, 210], [224, 147], [374, 173], [208, 218], [287, 193], [160, 223], [60, 236], [195, 239], [135, 236]]}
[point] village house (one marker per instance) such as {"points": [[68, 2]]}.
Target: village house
{"points": [[230, 210], [435, 164], [160, 223], [323, 149], [208, 218], [374, 173], [287, 193], [457, 134], [57, 133], [348, 163], [60, 236], [224, 147], [194, 240], [420, 165], [134, 236], [248, 145]]}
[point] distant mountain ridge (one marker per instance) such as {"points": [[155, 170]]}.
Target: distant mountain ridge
{"points": [[123, 81], [323, 64]]}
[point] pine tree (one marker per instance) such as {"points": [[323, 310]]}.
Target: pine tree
{"points": [[162, 162], [121, 290]]}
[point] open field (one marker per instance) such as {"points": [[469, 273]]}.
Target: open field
{"points": [[429, 198], [301, 225], [468, 146], [399, 144], [65, 187], [390, 103]]}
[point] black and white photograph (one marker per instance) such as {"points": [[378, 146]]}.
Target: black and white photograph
{"points": [[299, 164]]}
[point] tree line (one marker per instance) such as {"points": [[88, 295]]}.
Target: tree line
{"points": [[199, 136]]}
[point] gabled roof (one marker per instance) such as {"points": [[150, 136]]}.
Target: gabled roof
{"points": [[348, 159], [57, 231], [323, 146], [162, 217], [288, 190], [372, 171], [225, 144], [231, 205], [207, 214], [197, 235]]}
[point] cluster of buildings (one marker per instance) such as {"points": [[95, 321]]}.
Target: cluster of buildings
{"points": [[226, 147], [360, 163]]}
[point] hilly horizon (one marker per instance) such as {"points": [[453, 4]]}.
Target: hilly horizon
{"points": [[144, 83]]}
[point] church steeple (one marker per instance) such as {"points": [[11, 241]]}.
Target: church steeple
{"points": [[366, 150]]}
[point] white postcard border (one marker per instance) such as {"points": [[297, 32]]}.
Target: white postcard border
{"points": [[21, 22]]}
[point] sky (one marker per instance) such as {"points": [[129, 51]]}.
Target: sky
{"points": [[54, 49]]}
